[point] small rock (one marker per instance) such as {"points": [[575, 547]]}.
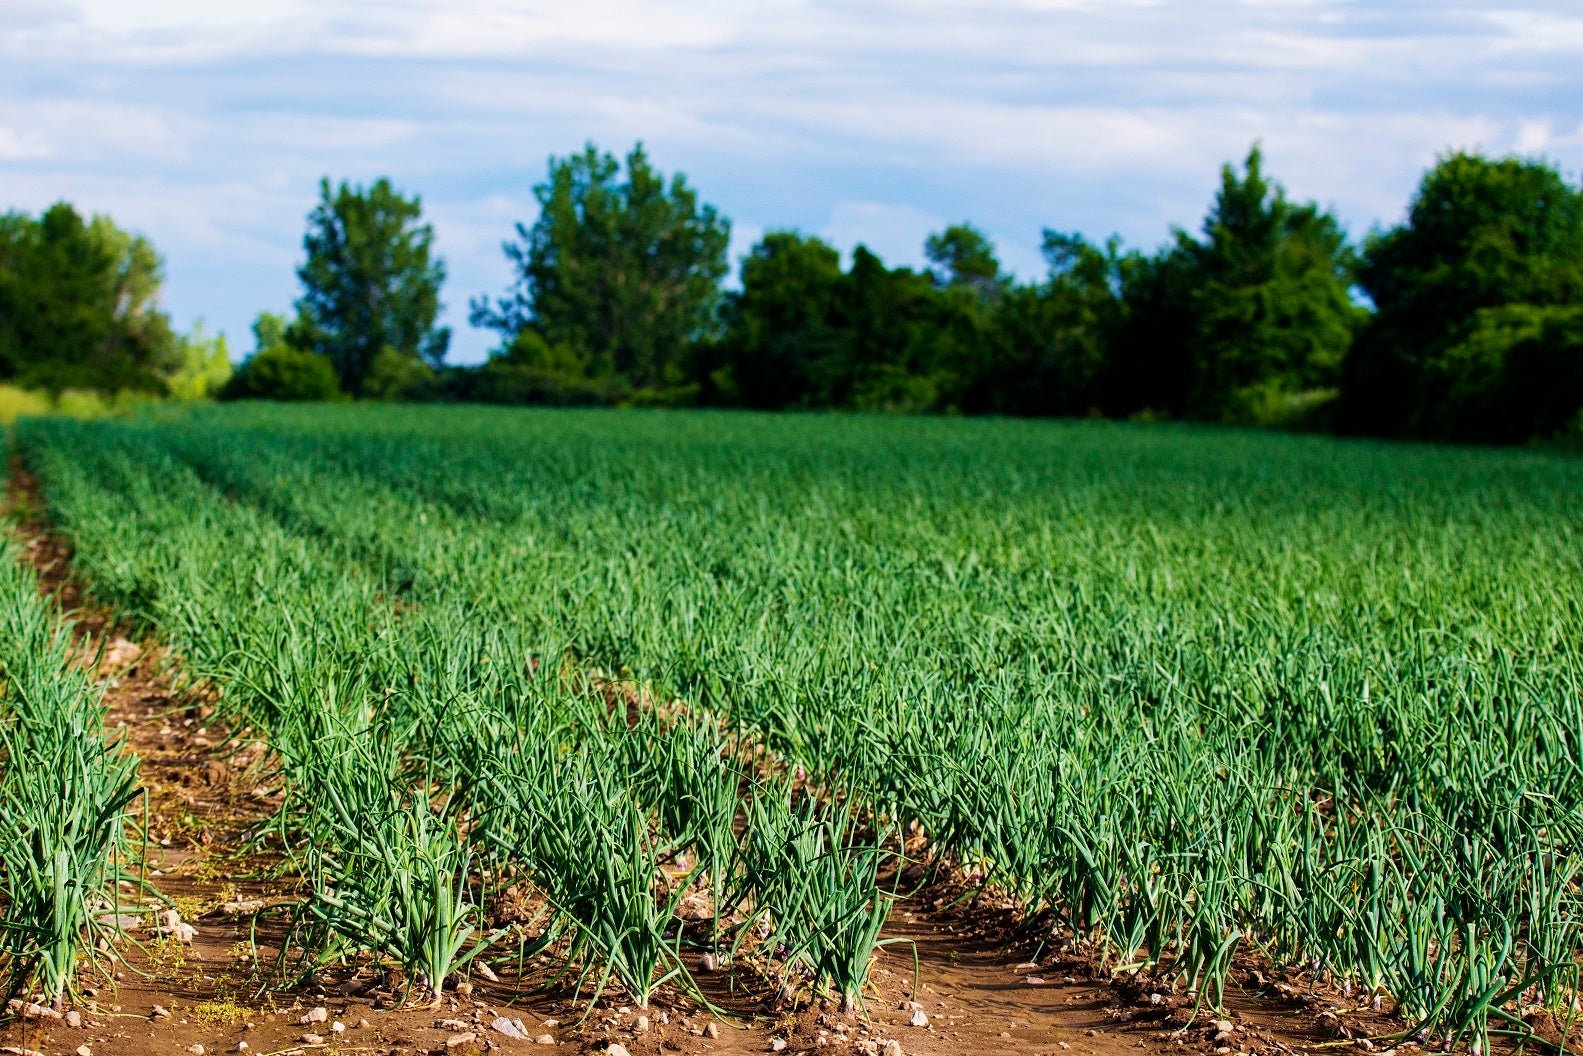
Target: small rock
{"points": [[711, 1030], [456, 1041], [363, 1024], [83, 1050], [642, 1025], [1222, 1026], [159, 1012], [544, 1039], [196, 1050], [315, 1015], [777, 1044], [242, 1046], [337, 1027], [241, 906], [74, 1019], [312, 1039], [464, 989], [511, 1028], [454, 1025], [918, 1018], [891, 1048], [708, 963], [617, 1049]]}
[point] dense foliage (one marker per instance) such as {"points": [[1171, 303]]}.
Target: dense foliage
{"points": [[370, 288], [79, 305], [617, 278], [1465, 322], [1187, 692], [1478, 326]]}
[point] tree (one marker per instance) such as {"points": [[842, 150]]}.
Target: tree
{"points": [[1486, 269], [370, 283], [1272, 303], [279, 370], [203, 365], [962, 255], [623, 269], [781, 325], [79, 305]]}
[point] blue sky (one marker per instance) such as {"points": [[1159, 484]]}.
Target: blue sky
{"points": [[207, 126]]}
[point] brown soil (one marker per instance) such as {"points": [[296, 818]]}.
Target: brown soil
{"points": [[207, 793]]}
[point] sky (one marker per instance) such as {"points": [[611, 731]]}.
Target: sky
{"points": [[207, 126]]}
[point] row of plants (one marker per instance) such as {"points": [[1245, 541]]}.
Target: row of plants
{"points": [[66, 793], [1190, 695]]}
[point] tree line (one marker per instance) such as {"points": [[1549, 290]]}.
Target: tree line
{"points": [[1464, 322]]}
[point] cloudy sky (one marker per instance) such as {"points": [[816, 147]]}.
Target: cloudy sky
{"points": [[207, 126]]}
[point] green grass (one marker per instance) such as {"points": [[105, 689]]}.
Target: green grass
{"points": [[1191, 693]]}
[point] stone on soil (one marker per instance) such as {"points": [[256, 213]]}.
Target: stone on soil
{"points": [[511, 1028]]}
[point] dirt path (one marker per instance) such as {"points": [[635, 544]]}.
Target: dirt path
{"points": [[207, 794]]}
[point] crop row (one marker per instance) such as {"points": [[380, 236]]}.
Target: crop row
{"points": [[65, 791], [1190, 695]]}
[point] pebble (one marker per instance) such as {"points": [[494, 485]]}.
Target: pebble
{"points": [[196, 1050], [315, 1015], [544, 1039], [74, 1019], [1223, 1026], [777, 1044], [242, 1046], [83, 1050], [337, 1027], [918, 1018], [455, 1025], [708, 963], [891, 1048], [511, 1028], [312, 1039], [617, 1049], [456, 1041], [711, 1030], [159, 1012], [1034, 980], [642, 1024]]}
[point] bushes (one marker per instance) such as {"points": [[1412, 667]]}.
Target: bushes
{"points": [[283, 372]]}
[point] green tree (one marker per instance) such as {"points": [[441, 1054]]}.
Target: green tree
{"points": [[1482, 277], [279, 370], [203, 365], [79, 305], [623, 268], [962, 255], [1272, 304], [370, 284], [1053, 339], [782, 325]]}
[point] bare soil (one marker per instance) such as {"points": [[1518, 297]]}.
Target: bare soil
{"points": [[208, 794]]}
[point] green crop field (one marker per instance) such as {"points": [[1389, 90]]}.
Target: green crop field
{"points": [[1192, 695]]}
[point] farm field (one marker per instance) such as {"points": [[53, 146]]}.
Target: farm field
{"points": [[629, 714]]}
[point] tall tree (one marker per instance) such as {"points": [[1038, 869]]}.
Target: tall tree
{"points": [[781, 327], [79, 305], [1272, 303], [371, 283], [962, 255], [621, 267], [1487, 269]]}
